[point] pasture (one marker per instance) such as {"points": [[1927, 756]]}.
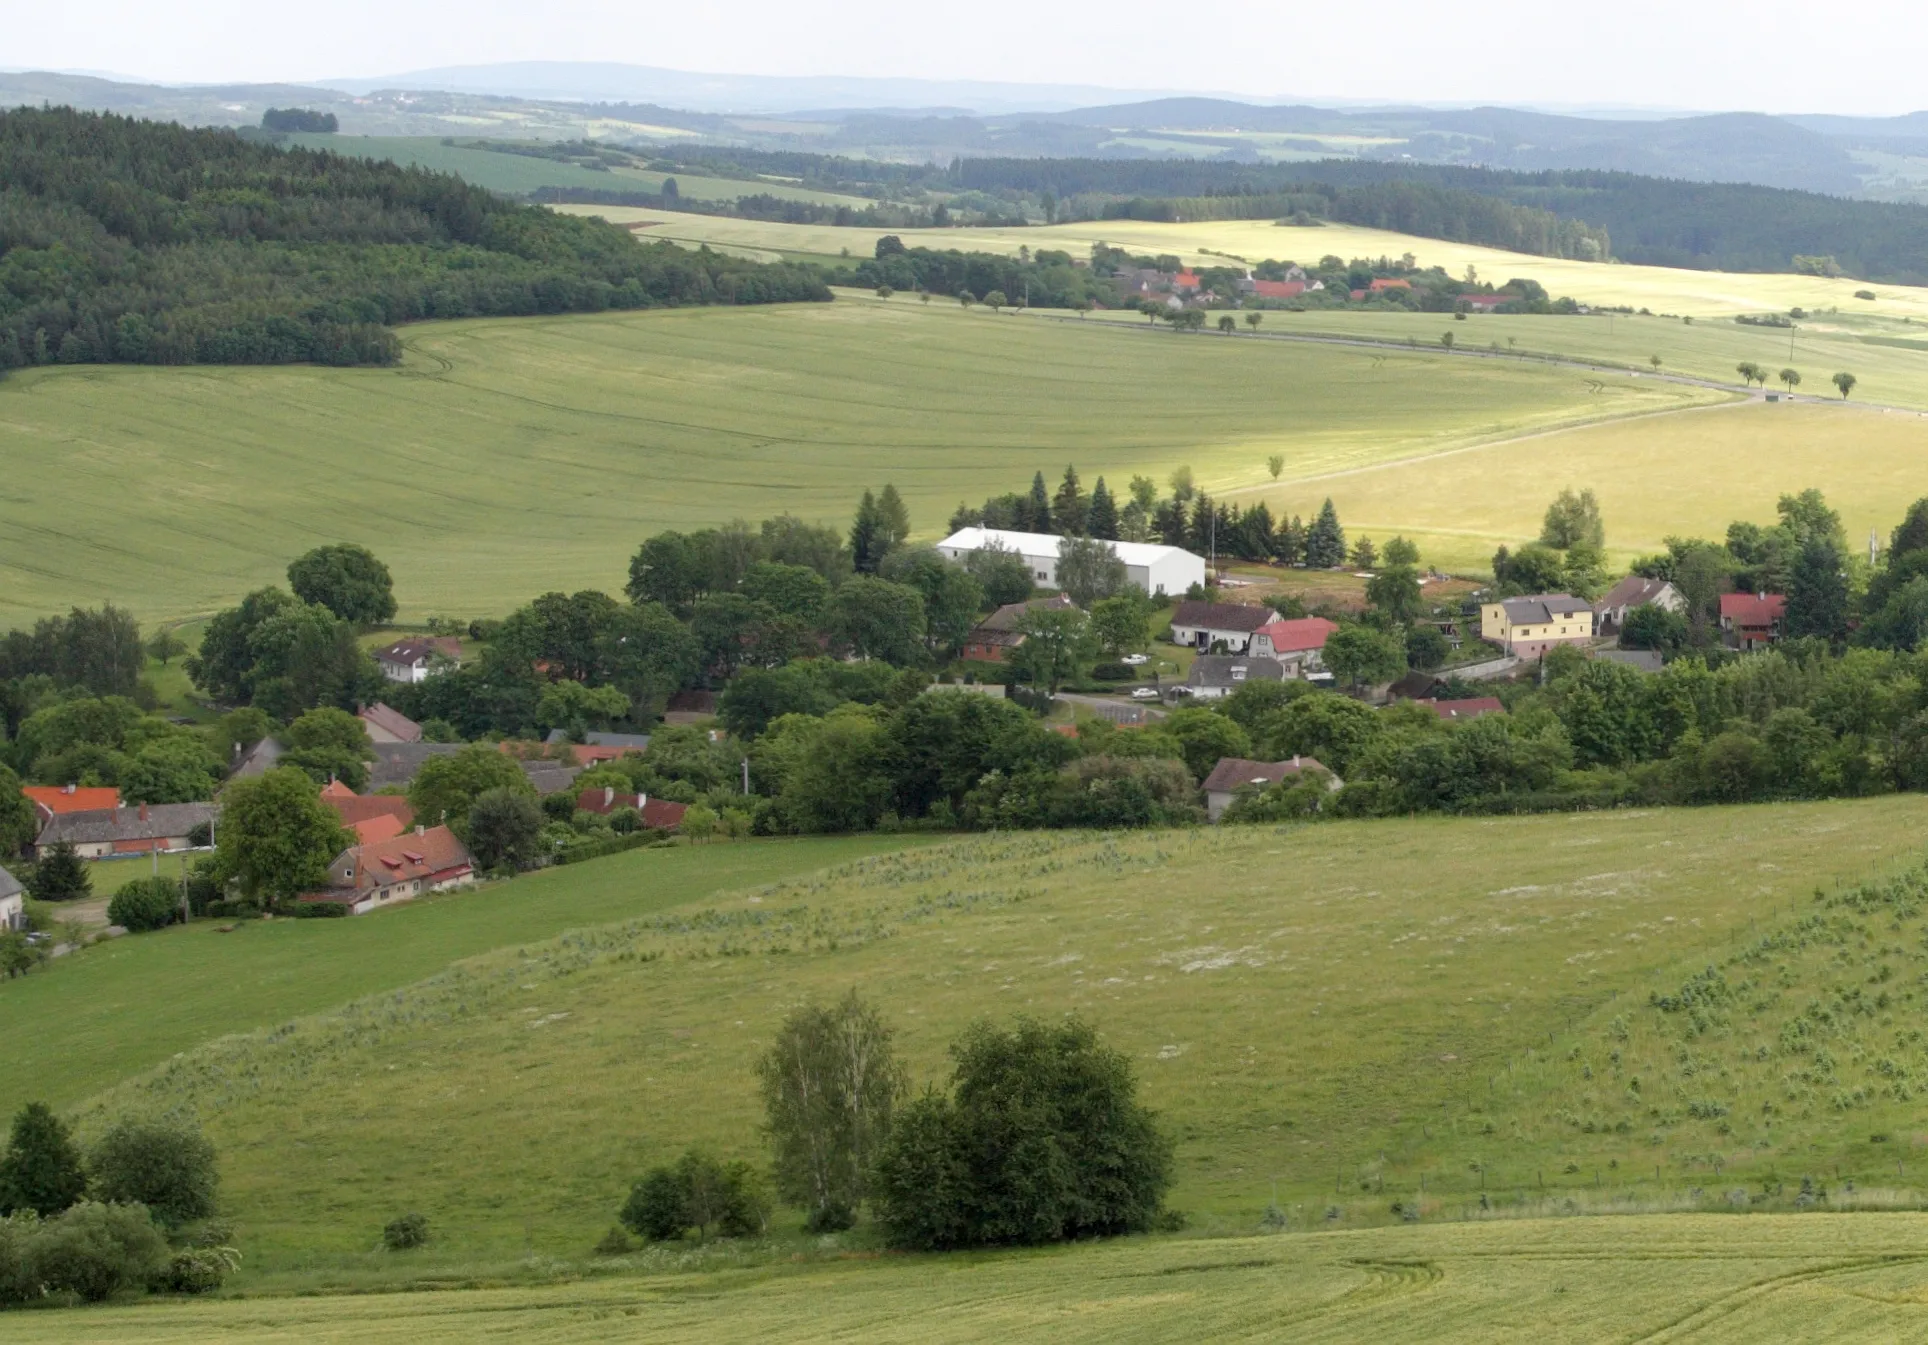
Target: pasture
{"points": [[1791, 1278], [508, 457], [1662, 289], [84, 1022], [1347, 1034]]}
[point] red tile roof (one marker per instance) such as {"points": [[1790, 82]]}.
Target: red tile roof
{"points": [[378, 828], [355, 809], [658, 813], [1752, 609], [433, 854], [59, 799], [1384, 284], [335, 789], [1278, 289], [1186, 280], [1300, 633], [1471, 708]]}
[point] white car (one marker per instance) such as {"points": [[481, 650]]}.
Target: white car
{"points": [[1144, 693], [1135, 660]]}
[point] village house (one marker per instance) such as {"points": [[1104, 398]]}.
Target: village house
{"points": [[419, 657], [1233, 774], [1204, 624], [1217, 675], [372, 817], [1750, 621], [1154, 569], [1610, 613], [137, 830], [51, 800], [396, 763], [384, 873], [661, 814], [1528, 627], [384, 725], [1473, 707], [1486, 303], [1274, 289], [1640, 660], [1298, 643], [993, 639], [13, 903]]}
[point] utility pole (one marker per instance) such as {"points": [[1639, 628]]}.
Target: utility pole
{"points": [[746, 775]]}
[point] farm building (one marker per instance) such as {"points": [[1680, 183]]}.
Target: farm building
{"points": [[1233, 624], [137, 830], [1233, 774], [1155, 569], [1473, 707], [1750, 621], [384, 725], [1217, 675], [418, 658], [1610, 613], [659, 813], [13, 902], [382, 873], [49, 801], [397, 763], [1299, 644], [993, 639], [1528, 627]]}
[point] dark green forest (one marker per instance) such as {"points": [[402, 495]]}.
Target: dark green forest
{"points": [[146, 242]]}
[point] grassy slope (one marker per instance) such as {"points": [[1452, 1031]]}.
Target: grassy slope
{"points": [[1790, 1279], [1663, 289], [86, 1021], [1296, 1016], [549, 447], [520, 174]]}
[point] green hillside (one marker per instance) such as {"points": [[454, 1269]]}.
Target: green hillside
{"points": [[508, 457], [1353, 1034]]}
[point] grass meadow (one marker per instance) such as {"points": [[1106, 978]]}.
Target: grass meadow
{"points": [[1662, 289], [1796, 1279], [1347, 1034], [84, 1022], [507, 457]]}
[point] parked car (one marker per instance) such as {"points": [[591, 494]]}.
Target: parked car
{"points": [[1144, 693], [1135, 660]]}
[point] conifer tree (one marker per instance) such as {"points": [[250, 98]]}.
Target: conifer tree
{"points": [[893, 520], [864, 531], [1325, 542], [1103, 520], [1069, 507], [1039, 519], [41, 1169]]}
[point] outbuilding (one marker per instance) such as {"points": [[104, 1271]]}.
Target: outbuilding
{"points": [[1155, 569]]}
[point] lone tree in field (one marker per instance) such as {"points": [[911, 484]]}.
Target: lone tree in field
{"points": [[830, 1083], [1253, 320], [1845, 382], [346, 579], [1228, 324], [1275, 464], [1791, 378], [1573, 519], [1655, 361], [995, 300]]}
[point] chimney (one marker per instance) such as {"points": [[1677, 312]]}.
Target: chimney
{"points": [[609, 796], [69, 789], [420, 829], [1762, 595], [143, 812]]}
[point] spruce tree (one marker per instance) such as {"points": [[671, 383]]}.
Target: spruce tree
{"points": [[1069, 508], [864, 551], [41, 1169], [1204, 518], [893, 520], [60, 876], [1289, 543], [1325, 543], [1103, 520], [1817, 593], [1039, 519]]}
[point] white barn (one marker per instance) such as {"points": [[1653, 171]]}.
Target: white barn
{"points": [[1155, 569]]}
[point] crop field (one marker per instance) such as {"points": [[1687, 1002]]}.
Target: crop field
{"points": [[520, 174], [84, 1022], [508, 457], [1355, 1034], [1662, 289], [1788, 1278]]}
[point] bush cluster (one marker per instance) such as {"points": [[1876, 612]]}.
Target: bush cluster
{"points": [[697, 1192]]}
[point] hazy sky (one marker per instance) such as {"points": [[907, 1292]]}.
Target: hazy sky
{"points": [[1771, 55]]}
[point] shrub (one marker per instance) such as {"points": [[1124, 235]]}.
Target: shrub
{"points": [[18, 1282], [145, 904], [832, 1218], [195, 1270], [697, 1192], [1114, 672], [166, 1166], [615, 1242], [406, 1233], [95, 1250], [1042, 1140]]}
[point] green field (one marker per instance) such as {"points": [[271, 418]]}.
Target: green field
{"points": [[83, 1023], [508, 457], [1794, 1279], [1353, 1034], [521, 174]]}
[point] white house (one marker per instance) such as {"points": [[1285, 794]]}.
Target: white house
{"points": [[1610, 613], [418, 658], [1216, 675], [13, 902], [1232, 624], [1155, 569]]}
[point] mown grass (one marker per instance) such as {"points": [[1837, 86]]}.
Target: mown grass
{"points": [[1332, 1009], [1796, 1279], [83, 1022], [1212, 242], [509, 457]]}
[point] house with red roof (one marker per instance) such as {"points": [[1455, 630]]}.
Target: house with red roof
{"points": [[1386, 283], [1278, 289], [1750, 621], [385, 873], [660, 814], [1187, 280], [1473, 707], [372, 817], [50, 801], [1485, 303], [1297, 643]]}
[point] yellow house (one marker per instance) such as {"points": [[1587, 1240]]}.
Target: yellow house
{"points": [[1528, 627]]}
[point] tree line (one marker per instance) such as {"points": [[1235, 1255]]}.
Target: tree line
{"points": [[127, 241]]}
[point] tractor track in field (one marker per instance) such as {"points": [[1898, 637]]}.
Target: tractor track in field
{"points": [[1712, 1313]]}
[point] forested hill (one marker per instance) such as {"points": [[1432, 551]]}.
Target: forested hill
{"points": [[1656, 221], [147, 242]]}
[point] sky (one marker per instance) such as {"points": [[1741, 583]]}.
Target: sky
{"points": [[1756, 55]]}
